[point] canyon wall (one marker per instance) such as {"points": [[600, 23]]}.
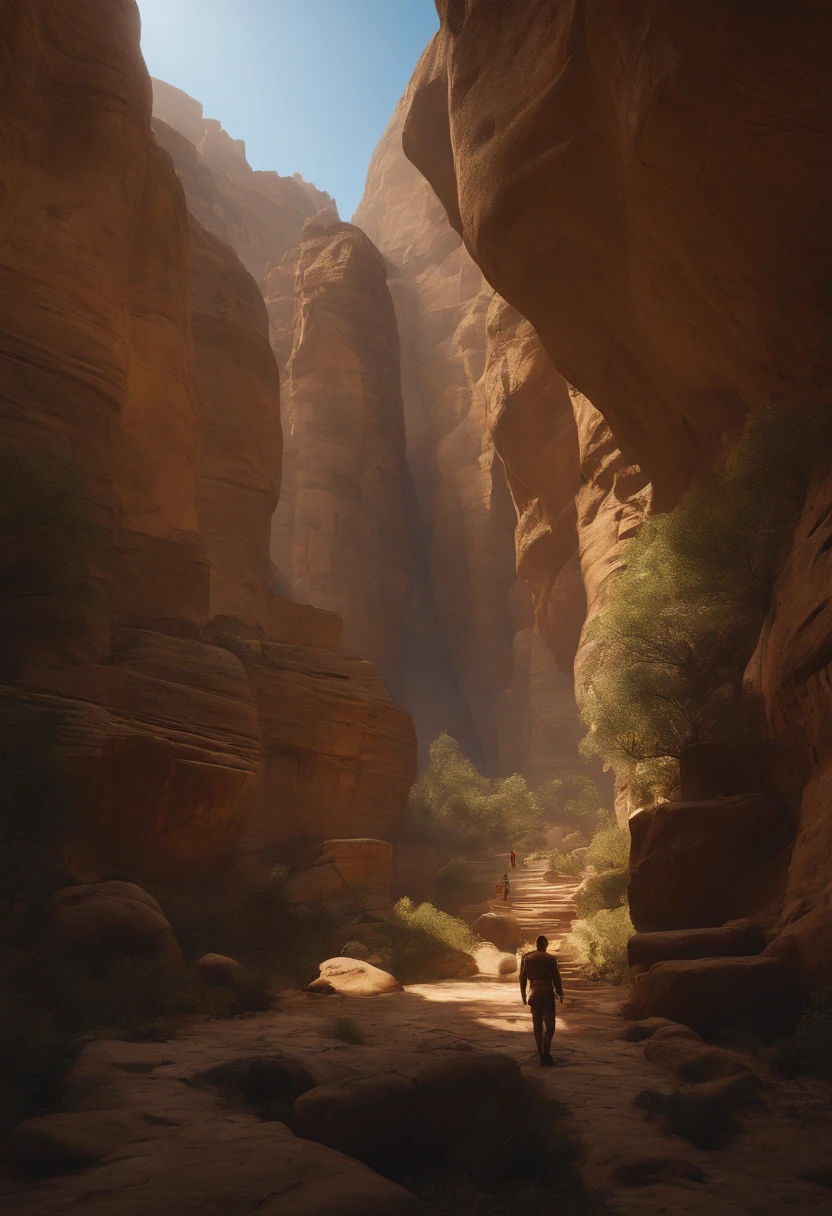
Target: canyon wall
{"points": [[134, 341], [649, 185], [490, 680]]}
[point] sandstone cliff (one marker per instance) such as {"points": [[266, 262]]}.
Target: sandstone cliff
{"points": [[260, 215], [492, 684], [134, 341], [340, 534], [648, 186]]}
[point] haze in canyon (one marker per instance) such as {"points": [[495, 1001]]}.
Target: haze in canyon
{"points": [[415, 449]]}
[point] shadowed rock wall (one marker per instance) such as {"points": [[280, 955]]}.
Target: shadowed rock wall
{"points": [[649, 185], [134, 341]]}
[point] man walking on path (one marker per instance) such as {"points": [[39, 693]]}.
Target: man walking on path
{"points": [[513, 860], [540, 970]]}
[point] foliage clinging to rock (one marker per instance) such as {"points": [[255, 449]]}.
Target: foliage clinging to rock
{"points": [[418, 932], [681, 621]]}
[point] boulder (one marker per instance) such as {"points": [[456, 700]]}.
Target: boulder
{"points": [[271, 1082], [713, 992], [642, 1169], [58, 1144], [397, 1120], [695, 864], [740, 938], [109, 920], [675, 1030], [501, 929], [637, 1032], [491, 961], [450, 965], [353, 977], [220, 1166], [218, 970], [321, 883]]}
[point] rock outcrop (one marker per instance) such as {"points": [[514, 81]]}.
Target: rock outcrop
{"points": [[475, 663], [648, 228], [136, 342], [340, 537], [260, 215]]}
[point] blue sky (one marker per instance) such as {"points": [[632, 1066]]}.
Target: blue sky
{"points": [[308, 84]]}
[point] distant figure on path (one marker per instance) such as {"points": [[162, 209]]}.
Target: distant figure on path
{"points": [[499, 890], [540, 970], [513, 860], [506, 889]]}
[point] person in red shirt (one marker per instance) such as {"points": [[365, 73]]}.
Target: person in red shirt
{"points": [[513, 860]]}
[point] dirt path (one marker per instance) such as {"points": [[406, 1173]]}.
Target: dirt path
{"points": [[597, 1075]]}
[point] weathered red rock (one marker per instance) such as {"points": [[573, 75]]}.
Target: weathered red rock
{"points": [[699, 864], [260, 215], [741, 937], [342, 512], [713, 992], [107, 921]]}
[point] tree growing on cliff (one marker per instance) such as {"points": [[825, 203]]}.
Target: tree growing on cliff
{"points": [[682, 619], [53, 556]]}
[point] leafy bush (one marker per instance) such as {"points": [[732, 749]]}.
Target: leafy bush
{"points": [[609, 849], [457, 884], [572, 841], [681, 621], [809, 1049], [53, 555], [600, 943], [575, 801], [346, 1030], [605, 890], [418, 932], [35, 808], [565, 863]]}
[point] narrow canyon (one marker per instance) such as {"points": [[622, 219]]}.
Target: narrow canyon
{"points": [[379, 595]]}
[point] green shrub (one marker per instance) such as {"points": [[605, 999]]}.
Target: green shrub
{"points": [[681, 621], [53, 556], [574, 801], [605, 890], [457, 883], [600, 943], [418, 932], [809, 1049], [565, 863], [609, 849], [346, 1030]]}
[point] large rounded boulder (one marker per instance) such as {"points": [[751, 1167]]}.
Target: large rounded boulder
{"points": [[500, 928], [104, 921], [353, 977]]}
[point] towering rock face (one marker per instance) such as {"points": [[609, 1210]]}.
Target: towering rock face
{"points": [[342, 519], [649, 185], [132, 340], [620, 178], [260, 215], [489, 679]]}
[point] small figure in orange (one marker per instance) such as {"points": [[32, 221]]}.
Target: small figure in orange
{"points": [[540, 970]]}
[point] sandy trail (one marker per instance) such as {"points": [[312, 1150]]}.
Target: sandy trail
{"points": [[597, 1075]]}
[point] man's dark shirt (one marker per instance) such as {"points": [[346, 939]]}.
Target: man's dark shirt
{"points": [[540, 970]]}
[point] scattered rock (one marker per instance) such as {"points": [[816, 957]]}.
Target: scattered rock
{"points": [[58, 1144], [643, 1169], [693, 1062], [450, 965], [394, 1120], [222, 1166], [501, 929], [219, 970], [322, 883], [353, 977], [674, 1031], [491, 961], [713, 992], [109, 920], [741, 938], [636, 1032]]}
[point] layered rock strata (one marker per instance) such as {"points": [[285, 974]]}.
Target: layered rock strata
{"points": [[340, 538], [668, 242], [259, 214], [491, 682], [135, 342]]}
